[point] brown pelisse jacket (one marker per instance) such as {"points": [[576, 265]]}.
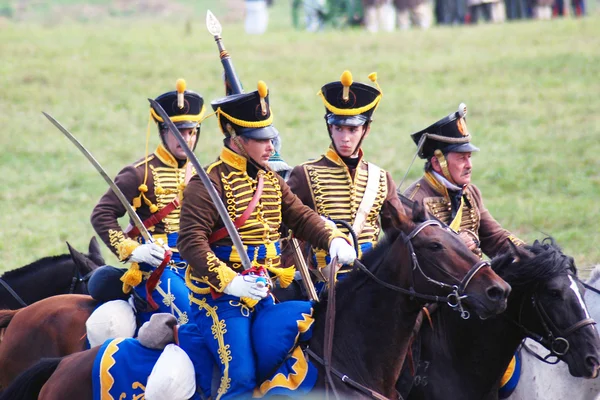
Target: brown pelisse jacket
{"points": [[215, 265], [476, 219], [165, 181], [335, 191]]}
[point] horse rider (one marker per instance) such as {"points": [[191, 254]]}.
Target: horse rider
{"points": [[341, 184], [226, 300], [154, 186], [446, 190]]}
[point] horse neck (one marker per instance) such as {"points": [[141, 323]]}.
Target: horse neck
{"points": [[372, 331], [44, 278], [467, 357]]}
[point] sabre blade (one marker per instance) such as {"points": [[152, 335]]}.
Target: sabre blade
{"points": [[212, 24], [214, 196], [130, 211]]}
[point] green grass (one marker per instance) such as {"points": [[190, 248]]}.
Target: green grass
{"points": [[531, 89]]}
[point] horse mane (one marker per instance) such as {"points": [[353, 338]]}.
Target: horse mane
{"points": [[595, 276], [544, 261], [34, 266]]}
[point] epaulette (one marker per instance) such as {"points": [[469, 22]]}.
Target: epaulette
{"points": [[144, 160]]}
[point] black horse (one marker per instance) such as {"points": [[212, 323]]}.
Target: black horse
{"points": [[466, 359], [49, 276]]}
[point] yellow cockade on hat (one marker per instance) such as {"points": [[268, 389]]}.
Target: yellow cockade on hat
{"points": [[180, 85], [347, 81]]}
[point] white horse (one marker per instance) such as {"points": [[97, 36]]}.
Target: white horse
{"points": [[554, 382]]}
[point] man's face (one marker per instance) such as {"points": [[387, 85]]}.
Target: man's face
{"points": [[459, 166], [346, 138], [173, 146], [260, 150]]}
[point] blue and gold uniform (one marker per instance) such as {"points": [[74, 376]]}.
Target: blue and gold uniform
{"points": [[224, 320], [154, 186]]}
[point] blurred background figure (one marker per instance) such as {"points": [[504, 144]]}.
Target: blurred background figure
{"points": [[312, 12], [561, 9], [479, 9], [418, 13], [379, 15], [542, 9], [517, 9], [257, 17], [450, 12]]}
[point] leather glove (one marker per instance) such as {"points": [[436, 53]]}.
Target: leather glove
{"points": [[344, 252], [246, 286], [149, 253]]}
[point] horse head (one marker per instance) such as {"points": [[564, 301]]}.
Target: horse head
{"points": [[551, 309], [84, 265], [442, 265]]}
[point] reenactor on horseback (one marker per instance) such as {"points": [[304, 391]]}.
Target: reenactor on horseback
{"points": [[226, 299], [154, 187], [446, 189], [341, 184]]}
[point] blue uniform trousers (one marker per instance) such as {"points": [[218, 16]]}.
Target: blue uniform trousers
{"points": [[224, 324]]}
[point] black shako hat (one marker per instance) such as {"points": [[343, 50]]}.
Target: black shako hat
{"points": [[449, 134], [350, 103], [246, 114], [184, 107]]}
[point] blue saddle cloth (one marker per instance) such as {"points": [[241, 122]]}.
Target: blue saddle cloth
{"points": [[121, 369], [511, 377], [280, 364]]}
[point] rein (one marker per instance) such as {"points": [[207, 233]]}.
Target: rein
{"points": [[77, 278], [454, 300], [12, 292], [590, 287]]}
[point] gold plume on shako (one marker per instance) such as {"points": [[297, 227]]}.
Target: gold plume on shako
{"points": [[347, 81], [180, 86], [263, 91]]}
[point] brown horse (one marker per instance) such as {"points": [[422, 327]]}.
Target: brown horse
{"points": [[53, 327], [374, 312]]}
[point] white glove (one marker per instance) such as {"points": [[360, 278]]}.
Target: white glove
{"points": [[246, 286], [148, 253], [329, 222], [344, 252]]}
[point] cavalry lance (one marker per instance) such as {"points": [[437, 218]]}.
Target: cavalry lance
{"points": [[234, 86], [154, 277]]}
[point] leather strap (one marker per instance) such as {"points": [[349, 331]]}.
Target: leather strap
{"points": [[222, 233], [154, 278], [368, 198], [133, 231]]}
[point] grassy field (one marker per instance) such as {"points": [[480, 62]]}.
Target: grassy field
{"points": [[531, 89]]}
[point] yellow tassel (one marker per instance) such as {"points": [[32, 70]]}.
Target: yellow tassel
{"points": [[126, 247], [285, 275], [153, 208], [137, 202], [132, 277], [249, 302], [263, 91], [373, 76], [160, 190], [143, 188]]}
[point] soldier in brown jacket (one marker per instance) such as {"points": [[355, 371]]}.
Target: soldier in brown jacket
{"points": [[446, 189], [341, 184], [154, 186], [225, 298]]}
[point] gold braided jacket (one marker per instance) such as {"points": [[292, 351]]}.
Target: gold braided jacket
{"points": [[335, 191], [165, 181], [200, 218], [476, 219]]}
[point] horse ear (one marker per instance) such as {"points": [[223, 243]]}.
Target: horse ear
{"points": [[517, 252], [419, 212], [82, 262], [94, 252]]}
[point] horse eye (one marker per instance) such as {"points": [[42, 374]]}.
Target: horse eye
{"points": [[555, 293], [434, 246]]}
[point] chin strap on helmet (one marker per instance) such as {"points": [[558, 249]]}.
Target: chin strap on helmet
{"points": [[443, 165]]}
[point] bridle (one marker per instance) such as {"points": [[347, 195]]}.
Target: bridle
{"points": [[454, 300], [553, 338], [457, 291], [75, 280]]}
